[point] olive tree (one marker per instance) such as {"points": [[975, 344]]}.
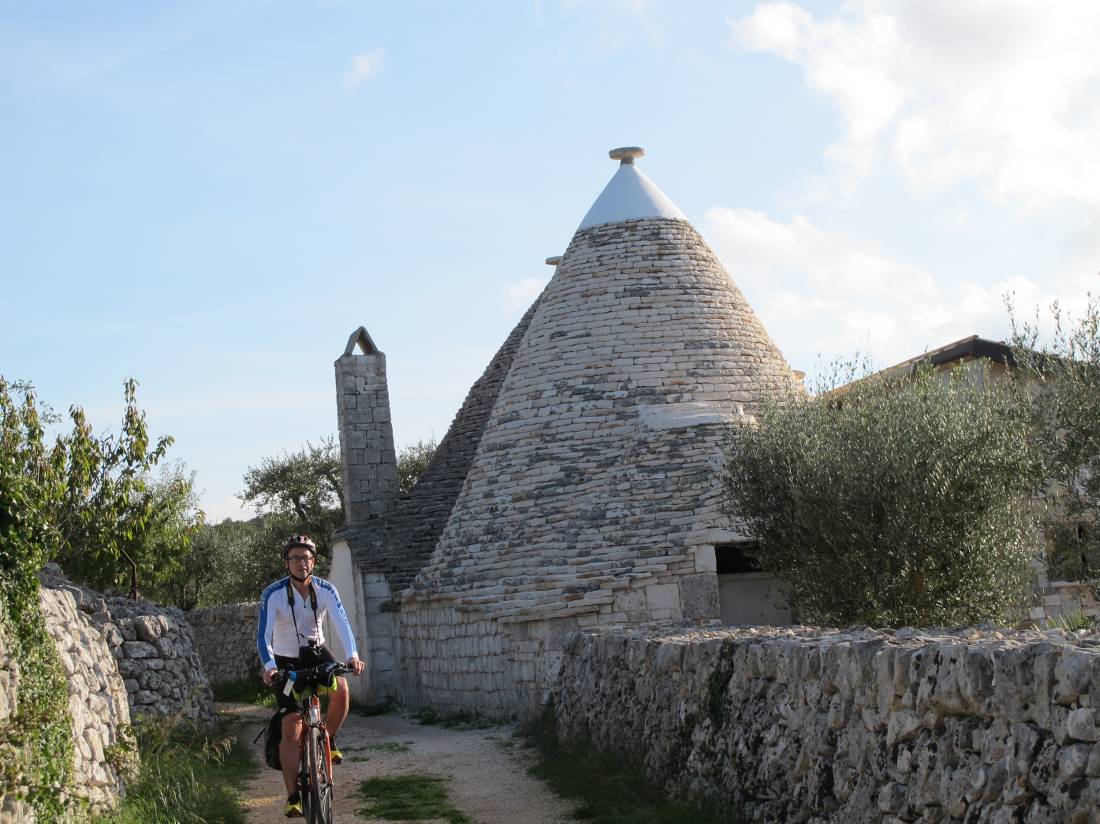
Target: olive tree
{"points": [[898, 502], [1060, 372], [412, 460]]}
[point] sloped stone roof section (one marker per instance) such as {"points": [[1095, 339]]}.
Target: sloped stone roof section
{"points": [[577, 488], [400, 544]]}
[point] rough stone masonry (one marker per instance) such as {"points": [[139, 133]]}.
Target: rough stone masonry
{"points": [[793, 724], [589, 493]]}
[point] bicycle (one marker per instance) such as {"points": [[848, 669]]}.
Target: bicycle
{"points": [[314, 751]]}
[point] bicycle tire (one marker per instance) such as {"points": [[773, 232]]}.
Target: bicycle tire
{"points": [[320, 780], [303, 789]]}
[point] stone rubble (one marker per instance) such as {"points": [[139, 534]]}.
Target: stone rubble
{"points": [[797, 724]]}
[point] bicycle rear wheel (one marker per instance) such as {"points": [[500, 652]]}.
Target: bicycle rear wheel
{"points": [[320, 778]]}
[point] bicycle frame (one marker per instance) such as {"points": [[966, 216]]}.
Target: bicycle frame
{"points": [[314, 768], [315, 783]]}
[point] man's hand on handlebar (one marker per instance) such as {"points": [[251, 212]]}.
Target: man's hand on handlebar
{"points": [[354, 664]]}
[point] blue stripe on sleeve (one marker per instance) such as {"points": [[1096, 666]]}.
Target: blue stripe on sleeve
{"points": [[265, 627]]}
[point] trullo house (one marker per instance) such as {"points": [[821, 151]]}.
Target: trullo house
{"points": [[578, 484]]}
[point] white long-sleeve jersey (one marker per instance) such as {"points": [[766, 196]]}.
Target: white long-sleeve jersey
{"points": [[282, 631]]}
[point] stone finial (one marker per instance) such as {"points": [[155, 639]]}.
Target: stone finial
{"points": [[363, 339], [626, 154], [553, 261]]}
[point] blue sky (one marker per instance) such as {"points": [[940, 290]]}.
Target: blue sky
{"points": [[210, 197]]}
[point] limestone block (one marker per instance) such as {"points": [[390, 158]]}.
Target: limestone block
{"points": [[662, 597], [1082, 725], [699, 596]]}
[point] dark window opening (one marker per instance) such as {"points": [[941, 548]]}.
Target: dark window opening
{"points": [[735, 558]]}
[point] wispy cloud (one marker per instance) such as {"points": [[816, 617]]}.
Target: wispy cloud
{"points": [[1006, 95], [818, 291], [365, 66]]}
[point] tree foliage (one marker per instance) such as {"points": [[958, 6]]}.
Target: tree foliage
{"points": [[36, 747], [299, 491], [896, 503], [115, 521], [412, 461], [1061, 374], [304, 488], [233, 561]]}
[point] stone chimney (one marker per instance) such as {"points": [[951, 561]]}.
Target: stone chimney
{"points": [[366, 433]]}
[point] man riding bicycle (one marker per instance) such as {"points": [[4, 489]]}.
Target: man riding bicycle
{"points": [[290, 637]]}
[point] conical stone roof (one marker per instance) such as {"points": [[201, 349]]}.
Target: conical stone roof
{"points": [[599, 465]]}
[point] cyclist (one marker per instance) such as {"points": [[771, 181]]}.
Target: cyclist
{"points": [[292, 611]]}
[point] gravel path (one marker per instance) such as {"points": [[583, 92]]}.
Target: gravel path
{"points": [[487, 768]]}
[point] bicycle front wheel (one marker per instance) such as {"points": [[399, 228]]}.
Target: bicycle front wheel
{"points": [[320, 778]]}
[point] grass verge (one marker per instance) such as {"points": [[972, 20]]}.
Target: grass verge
{"points": [[386, 746], [427, 717], [245, 691], [607, 787], [187, 776], [415, 797]]}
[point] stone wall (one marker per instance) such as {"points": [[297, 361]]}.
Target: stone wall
{"points": [[793, 724], [154, 649], [98, 703], [225, 638], [1058, 599]]}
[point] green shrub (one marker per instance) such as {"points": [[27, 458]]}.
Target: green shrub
{"points": [[1061, 373], [36, 745], [896, 503]]}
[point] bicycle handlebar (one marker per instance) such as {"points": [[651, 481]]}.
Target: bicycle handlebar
{"points": [[311, 675]]}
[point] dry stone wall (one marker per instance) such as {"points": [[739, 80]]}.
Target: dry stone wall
{"points": [[225, 638], [121, 659], [98, 704], [779, 725], [153, 647]]}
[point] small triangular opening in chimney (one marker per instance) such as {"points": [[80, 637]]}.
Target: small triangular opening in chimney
{"points": [[359, 338]]}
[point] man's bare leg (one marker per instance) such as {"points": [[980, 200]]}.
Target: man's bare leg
{"points": [[337, 706], [288, 750]]}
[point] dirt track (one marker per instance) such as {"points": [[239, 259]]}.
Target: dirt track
{"points": [[488, 770]]}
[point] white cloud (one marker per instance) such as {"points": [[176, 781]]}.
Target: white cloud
{"points": [[365, 66], [820, 292], [518, 295], [1006, 94]]}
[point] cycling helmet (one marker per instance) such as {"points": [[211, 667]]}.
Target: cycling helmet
{"points": [[299, 541]]}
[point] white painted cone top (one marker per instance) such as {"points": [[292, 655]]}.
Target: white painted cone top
{"points": [[629, 195]]}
